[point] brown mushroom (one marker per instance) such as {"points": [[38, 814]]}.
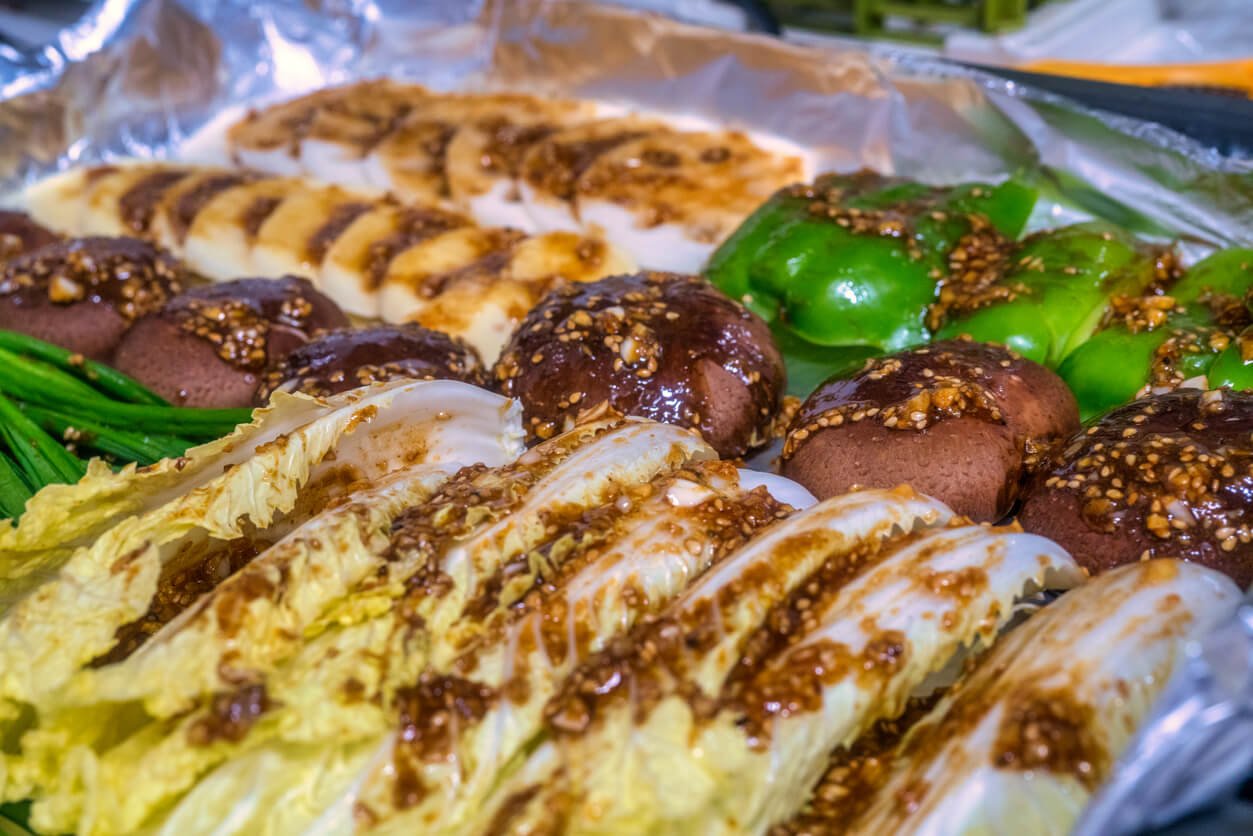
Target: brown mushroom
{"points": [[340, 360], [211, 345], [1170, 475], [19, 235], [656, 345], [85, 293], [959, 420]]}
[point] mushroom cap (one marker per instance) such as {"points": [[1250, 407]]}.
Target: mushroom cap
{"points": [[19, 234], [211, 345], [1170, 475], [959, 420], [84, 293], [981, 469], [663, 346], [345, 359]]}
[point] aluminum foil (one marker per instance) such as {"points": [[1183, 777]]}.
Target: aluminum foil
{"points": [[1193, 749], [138, 78]]}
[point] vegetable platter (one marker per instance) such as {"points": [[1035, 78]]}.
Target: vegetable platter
{"points": [[545, 418]]}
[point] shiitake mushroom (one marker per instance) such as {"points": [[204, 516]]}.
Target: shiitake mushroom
{"points": [[19, 234], [211, 345], [345, 359], [663, 346], [84, 293], [1169, 475], [959, 420]]}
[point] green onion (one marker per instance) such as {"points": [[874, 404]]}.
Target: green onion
{"points": [[46, 394], [14, 819], [22, 374], [13, 489], [144, 448], [171, 420], [166, 420], [105, 378], [8, 827], [40, 455]]}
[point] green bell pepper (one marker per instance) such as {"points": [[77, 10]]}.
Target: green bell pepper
{"points": [[1160, 340], [1055, 292], [810, 365], [1233, 367], [855, 260]]}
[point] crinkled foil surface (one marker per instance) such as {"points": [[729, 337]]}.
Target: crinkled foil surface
{"points": [[138, 77]]}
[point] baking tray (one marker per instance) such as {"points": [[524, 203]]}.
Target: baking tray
{"points": [[139, 78]]}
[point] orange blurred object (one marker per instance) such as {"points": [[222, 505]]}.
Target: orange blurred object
{"points": [[1217, 75]]}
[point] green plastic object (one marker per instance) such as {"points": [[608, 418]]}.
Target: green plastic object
{"points": [[913, 20]]}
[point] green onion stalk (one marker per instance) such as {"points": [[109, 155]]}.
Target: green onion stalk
{"points": [[54, 402]]}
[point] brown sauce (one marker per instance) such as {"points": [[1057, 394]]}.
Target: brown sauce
{"points": [[559, 164], [327, 234], [184, 211], [257, 213], [412, 227], [431, 713], [1051, 731], [184, 580], [230, 715], [138, 204]]}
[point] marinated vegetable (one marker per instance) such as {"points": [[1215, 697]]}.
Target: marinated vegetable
{"points": [[85, 294], [1054, 290], [212, 345], [1156, 342], [1041, 720], [1169, 475], [350, 357], [657, 345], [959, 420], [860, 259]]}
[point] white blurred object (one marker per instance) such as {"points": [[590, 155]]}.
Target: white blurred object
{"points": [[1104, 31], [723, 15], [34, 24], [1118, 32]]}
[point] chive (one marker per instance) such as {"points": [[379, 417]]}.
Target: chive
{"points": [[144, 448], [104, 378], [165, 420], [41, 456], [9, 827], [22, 374], [170, 420], [13, 489]]}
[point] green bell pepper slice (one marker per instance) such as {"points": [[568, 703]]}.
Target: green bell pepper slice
{"points": [[810, 365], [1054, 295], [855, 260], [1162, 340], [1233, 367]]}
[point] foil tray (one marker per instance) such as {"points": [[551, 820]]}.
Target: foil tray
{"points": [[138, 78]]}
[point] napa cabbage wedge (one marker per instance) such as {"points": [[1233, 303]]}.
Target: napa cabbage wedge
{"points": [[704, 631], [368, 433], [63, 517], [257, 617], [625, 562], [731, 742], [451, 561], [1022, 742], [56, 628], [605, 568]]}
